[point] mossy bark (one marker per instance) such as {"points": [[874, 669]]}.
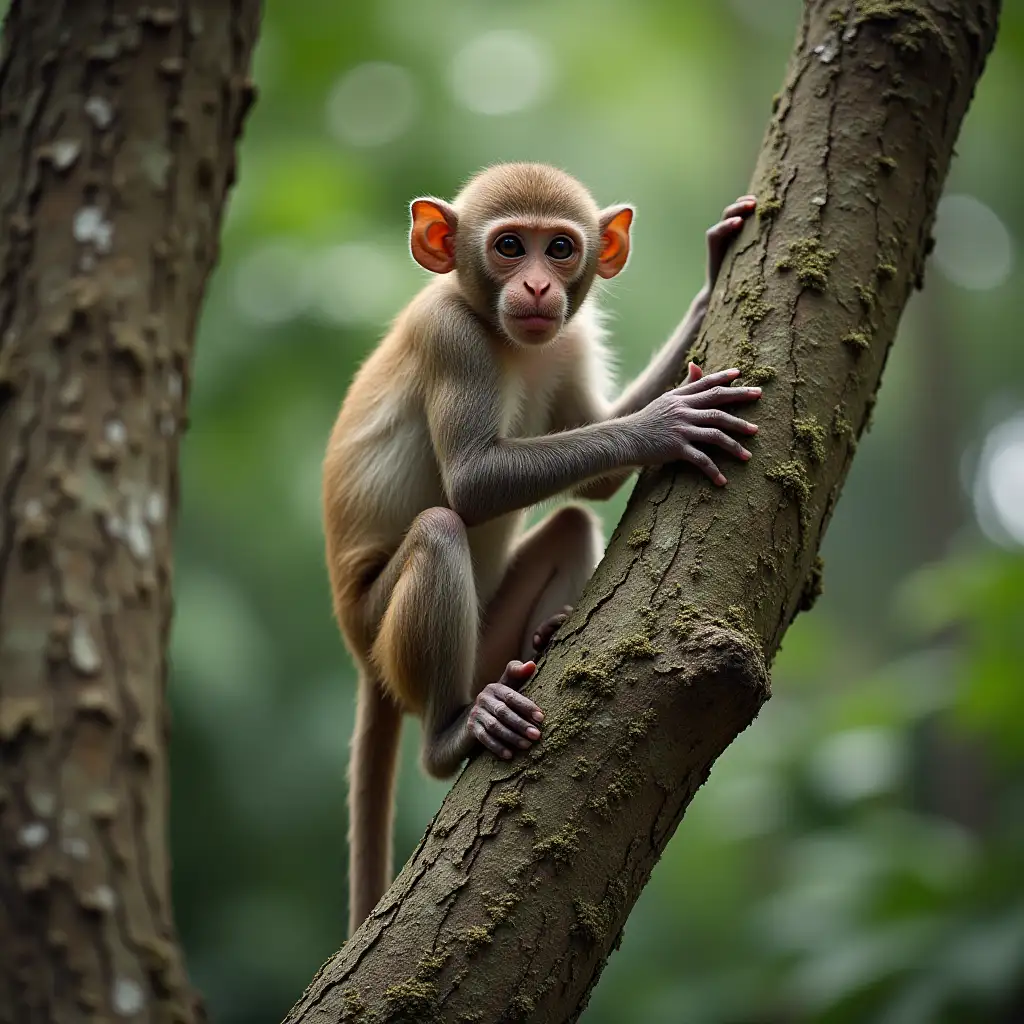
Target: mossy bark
{"points": [[118, 124], [519, 890]]}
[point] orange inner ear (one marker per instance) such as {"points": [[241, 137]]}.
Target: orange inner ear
{"points": [[431, 228], [436, 235], [616, 236], [611, 246]]}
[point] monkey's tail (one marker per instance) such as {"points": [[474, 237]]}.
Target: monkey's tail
{"points": [[371, 783]]}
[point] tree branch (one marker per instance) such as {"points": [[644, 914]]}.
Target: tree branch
{"points": [[520, 888]]}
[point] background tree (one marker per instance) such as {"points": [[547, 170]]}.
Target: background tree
{"points": [[117, 135]]}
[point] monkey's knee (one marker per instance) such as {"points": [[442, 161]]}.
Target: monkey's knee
{"points": [[443, 563], [428, 632], [438, 528], [575, 519]]}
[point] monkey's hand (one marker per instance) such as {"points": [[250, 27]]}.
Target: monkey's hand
{"points": [[547, 629], [502, 719], [720, 236], [689, 415]]}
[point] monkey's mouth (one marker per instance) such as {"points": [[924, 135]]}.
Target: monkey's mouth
{"points": [[534, 322]]}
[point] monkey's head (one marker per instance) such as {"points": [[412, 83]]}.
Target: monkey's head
{"points": [[526, 241]]}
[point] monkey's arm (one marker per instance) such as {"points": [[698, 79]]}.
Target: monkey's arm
{"points": [[486, 475], [665, 367], [578, 402]]}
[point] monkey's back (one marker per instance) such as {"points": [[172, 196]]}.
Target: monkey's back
{"points": [[379, 473]]}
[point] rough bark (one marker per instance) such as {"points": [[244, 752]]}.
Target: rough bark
{"points": [[520, 888], [118, 124]]}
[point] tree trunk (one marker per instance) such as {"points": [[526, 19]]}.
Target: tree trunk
{"points": [[118, 124], [521, 886]]}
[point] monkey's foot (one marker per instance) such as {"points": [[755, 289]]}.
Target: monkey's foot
{"points": [[547, 629], [502, 719]]}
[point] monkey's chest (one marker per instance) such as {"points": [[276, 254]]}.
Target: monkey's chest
{"points": [[526, 404]]}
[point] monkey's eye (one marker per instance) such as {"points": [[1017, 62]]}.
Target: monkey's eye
{"points": [[561, 248], [509, 246]]}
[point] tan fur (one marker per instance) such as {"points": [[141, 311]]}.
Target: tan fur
{"points": [[380, 471]]}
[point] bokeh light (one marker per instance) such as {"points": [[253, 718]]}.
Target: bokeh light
{"points": [[372, 104], [361, 282], [972, 245], [272, 283], [501, 72], [999, 484], [856, 763]]}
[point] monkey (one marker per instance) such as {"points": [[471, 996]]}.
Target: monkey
{"points": [[487, 396]]}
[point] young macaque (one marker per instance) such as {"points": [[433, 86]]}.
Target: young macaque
{"points": [[487, 396]]}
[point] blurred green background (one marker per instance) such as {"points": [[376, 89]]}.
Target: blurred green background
{"points": [[857, 855]]}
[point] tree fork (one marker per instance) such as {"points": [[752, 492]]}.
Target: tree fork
{"points": [[118, 124], [519, 890]]}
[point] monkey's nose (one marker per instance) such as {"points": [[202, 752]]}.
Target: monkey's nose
{"points": [[537, 288]]}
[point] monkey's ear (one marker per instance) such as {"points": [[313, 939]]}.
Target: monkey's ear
{"points": [[614, 223], [432, 235]]}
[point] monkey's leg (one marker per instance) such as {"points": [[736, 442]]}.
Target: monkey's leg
{"points": [[426, 647], [422, 610], [546, 574], [426, 644], [371, 783]]}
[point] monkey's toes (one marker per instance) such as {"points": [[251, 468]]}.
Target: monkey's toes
{"points": [[547, 629]]}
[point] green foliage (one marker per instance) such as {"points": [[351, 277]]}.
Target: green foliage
{"points": [[827, 871], [981, 599]]}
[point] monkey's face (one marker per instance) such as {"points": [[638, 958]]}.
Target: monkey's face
{"points": [[534, 268], [527, 241]]}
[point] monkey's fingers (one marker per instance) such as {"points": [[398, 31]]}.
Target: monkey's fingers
{"points": [[702, 383], [511, 696], [517, 673], [705, 464], [743, 207], [719, 396], [709, 435], [693, 373], [721, 234], [492, 700], [506, 733], [487, 732], [512, 709], [724, 421]]}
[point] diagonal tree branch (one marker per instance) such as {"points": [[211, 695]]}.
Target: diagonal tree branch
{"points": [[511, 904]]}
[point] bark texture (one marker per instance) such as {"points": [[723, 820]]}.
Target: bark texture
{"points": [[118, 123], [521, 886]]}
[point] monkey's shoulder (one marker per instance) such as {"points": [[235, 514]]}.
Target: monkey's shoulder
{"points": [[438, 321]]}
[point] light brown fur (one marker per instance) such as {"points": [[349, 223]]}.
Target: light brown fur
{"points": [[486, 396]]}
